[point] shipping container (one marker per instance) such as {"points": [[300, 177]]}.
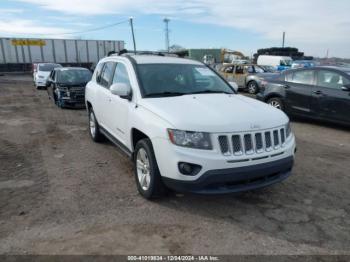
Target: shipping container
{"points": [[17, 52]]}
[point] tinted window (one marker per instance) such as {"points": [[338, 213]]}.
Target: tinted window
{"points": [[180, 79], [305, 77], [121, 75], [74, 76], [331, 79], [239, 69], [107, 73]]}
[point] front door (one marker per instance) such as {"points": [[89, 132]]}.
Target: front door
{"points": [[119, 107], [333, 103], [298, 88]]}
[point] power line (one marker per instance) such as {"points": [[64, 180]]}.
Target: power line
{"points": [[81, 32]]}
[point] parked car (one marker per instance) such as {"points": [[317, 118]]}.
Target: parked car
{"points": [[66, 86], [319, 92], [185, 128], [281, 63], [42, 73], [303, 64], [247, 77]]}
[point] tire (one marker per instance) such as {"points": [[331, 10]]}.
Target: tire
{"points": [[276, 102], [94, 128], [146, 169], [252, 87]]}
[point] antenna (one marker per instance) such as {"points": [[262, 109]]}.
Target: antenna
{"points": [[166, 21], [132, 32]]}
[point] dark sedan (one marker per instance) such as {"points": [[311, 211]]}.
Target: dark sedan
{"points": [[66, 86], [319, 92]]}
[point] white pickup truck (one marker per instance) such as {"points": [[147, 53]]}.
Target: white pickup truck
{"points": [[186, 128]]}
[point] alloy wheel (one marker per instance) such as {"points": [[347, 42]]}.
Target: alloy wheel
{"points": [[143, 169]]}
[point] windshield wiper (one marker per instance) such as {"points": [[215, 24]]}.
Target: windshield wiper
{"points": [[211, 92], [164, 94]]}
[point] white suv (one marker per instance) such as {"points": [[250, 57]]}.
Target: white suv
{"points": [[186, 128]]}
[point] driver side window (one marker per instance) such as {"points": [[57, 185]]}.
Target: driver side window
{"points": [[121, 74], [331, 79]]}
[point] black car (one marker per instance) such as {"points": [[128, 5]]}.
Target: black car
{"points": [[319, 92], [66, 86]]}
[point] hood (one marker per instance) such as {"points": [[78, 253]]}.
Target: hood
{"points": [[215, 113]]}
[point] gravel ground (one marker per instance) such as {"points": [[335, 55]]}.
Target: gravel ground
{"points": [[60, 193]]}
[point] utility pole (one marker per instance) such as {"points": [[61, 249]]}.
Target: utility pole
{"points": [[132, 32], [283, 39], [166, 21]]}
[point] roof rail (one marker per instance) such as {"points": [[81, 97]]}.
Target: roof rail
{"points": [[125, 52]]}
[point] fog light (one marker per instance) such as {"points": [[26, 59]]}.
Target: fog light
{"points": [[189, 169]]}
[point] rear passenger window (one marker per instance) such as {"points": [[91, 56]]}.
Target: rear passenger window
{"points": [[106, 74], [305, 77]]}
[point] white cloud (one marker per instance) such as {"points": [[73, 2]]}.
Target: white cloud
{"points": [[29, 27], [311, 22]]}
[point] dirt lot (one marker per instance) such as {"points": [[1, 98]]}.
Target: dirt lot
{"points": [[60, 193]]}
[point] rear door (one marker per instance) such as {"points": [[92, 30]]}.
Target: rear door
{"points": [[104, 80], [240, 74], [298, 89], [332, 102]]}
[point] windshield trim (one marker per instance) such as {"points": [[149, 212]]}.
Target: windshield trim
{"points": [[142, 90]]}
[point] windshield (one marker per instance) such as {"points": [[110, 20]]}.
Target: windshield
{"points": [[74, 76], [258, 69], [48, 67], [286, 62], [269, 69], [180, 79]]}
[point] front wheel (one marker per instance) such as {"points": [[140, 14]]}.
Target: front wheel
{"points": [[94, 127], [252, 87], [147, 175], [276, 102]]}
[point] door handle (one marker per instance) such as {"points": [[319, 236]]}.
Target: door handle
{"points": [[318, 92]]}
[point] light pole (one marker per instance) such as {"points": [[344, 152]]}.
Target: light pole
{"points": [[132, 32], [166, 21]]}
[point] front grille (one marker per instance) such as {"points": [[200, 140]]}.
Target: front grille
{"points": [[252, 143]]}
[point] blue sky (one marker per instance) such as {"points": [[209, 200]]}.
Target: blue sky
{"points": [[313, 26]]}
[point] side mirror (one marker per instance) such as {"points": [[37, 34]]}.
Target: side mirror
{"points": [[48, 82], [122, 90], [234, 85], [346, 88]]}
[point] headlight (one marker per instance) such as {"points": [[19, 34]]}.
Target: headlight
{"points": [[199, 140], [288, 130]]}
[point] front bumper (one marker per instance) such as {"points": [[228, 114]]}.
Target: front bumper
{"points": [[220, 173], [233, 180], [40, 82]]}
